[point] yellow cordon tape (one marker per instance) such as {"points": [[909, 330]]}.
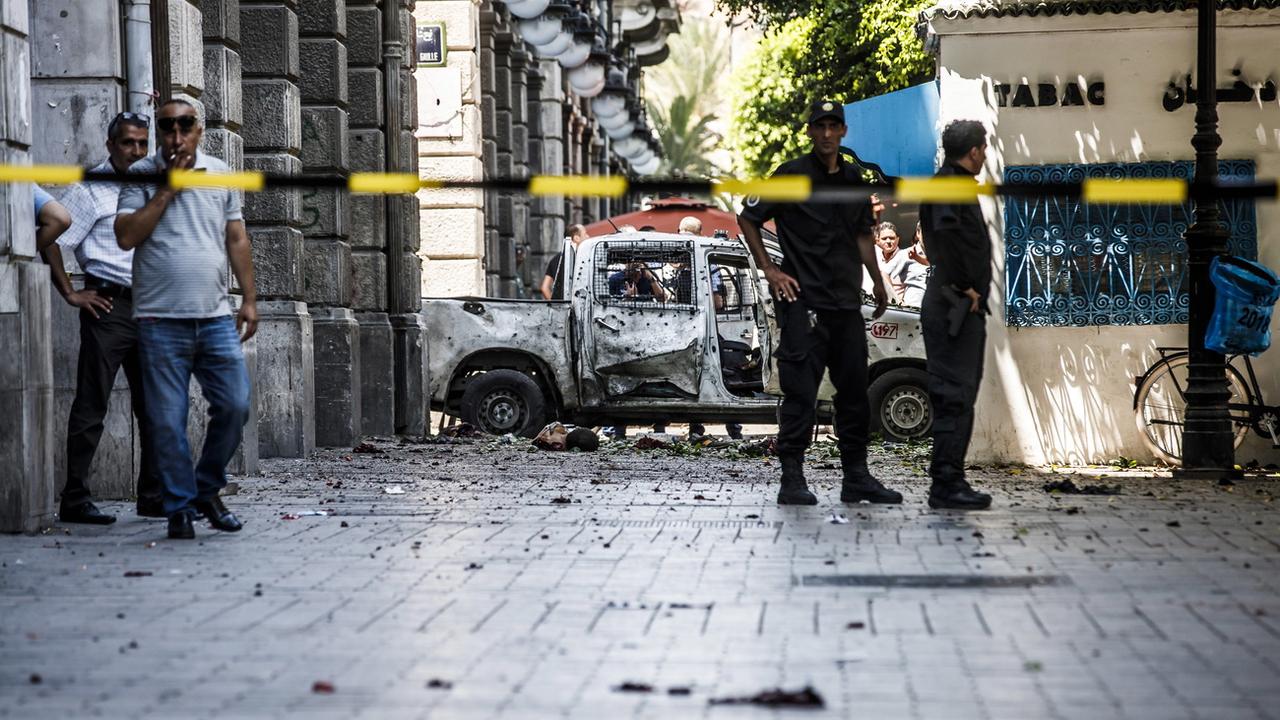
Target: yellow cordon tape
{"points": [[386, 183], [42, 174], [581, 185], [940, 190], [1107, 190], [247, 181], [783, 188]]}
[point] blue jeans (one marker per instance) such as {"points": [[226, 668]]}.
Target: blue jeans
{"points": [[171, 351]]}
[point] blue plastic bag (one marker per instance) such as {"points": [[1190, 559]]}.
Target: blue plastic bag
{"points": [[1246, 294]]}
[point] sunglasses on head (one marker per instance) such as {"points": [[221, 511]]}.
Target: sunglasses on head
{"points": [[129, 117], [167, 124]]}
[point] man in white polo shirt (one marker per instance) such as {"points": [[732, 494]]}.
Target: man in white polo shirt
{"points": [[183, 241], [108, 333]]}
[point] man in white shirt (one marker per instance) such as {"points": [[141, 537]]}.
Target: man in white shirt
{"points": [[108, 332]]}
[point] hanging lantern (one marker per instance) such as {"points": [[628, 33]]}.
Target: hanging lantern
{"points": [[527, 8]]}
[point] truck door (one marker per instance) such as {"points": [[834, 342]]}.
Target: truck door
{"points": [[647, 323], [767, 327]]}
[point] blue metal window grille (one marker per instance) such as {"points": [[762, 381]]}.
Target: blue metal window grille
{"points": [[1077, 265]]}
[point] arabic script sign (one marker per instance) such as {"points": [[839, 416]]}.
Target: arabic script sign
{"points": [[1239, 91]]}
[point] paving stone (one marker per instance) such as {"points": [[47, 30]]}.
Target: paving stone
{"points": [[525, 607]]}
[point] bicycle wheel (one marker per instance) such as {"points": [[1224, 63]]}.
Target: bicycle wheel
{"points": [[1161, 405]]}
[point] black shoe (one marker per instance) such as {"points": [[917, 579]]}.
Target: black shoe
{"points": [[150, 508], [85, 513], [734, 430], [180, 527], [957, 496], [794, 490], [859, 485], [218, 515]]}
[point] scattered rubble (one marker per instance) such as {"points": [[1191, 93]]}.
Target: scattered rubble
{"points": [[777, 698], [368, 448], [1066, 487], [322, 687]]}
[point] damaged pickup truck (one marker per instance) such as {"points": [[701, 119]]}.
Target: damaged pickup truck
{"points": [[655, 328]]}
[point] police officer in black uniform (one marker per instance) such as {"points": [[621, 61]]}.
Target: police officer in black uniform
{"points": [[818, 289], [953, 317]]}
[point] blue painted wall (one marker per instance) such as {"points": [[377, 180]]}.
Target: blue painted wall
{"points": [[897, 131]]}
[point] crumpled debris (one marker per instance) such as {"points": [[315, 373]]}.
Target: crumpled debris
{"points": [[837, 519], [137, 573], [1066, 487], [766, 447], [651, 443], [807, 697], [561, 500], [461, 430], [367, 447], [633, 687], [438, 684], [393, 490], [35, 679], [305, 513], [322, 687]]}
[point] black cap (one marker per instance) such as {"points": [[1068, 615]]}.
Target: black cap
{"points": [[826, 109]]}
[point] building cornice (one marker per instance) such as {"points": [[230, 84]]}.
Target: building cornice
{"points": [[977, 9]]}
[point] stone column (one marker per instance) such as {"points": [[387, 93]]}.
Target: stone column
{"points": [[323, 60], [368, 227], [546, 156], [26, 360], [224, 115], [272, 133], [501, 253], [410, 346]]}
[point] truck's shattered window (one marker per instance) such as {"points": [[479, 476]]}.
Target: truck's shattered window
{"points": [[649, 275], [732, 286]]}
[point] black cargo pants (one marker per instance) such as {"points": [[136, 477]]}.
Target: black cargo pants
{"points": [[955, 371], [812, 342]]}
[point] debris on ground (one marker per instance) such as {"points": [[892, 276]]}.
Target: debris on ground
{"points": [[1066, 487], [438, 684], [679, 690], [322, 687], [35, 679], [855, 625], [767, 447], [807, 697], [305, 513], [461, 430], [837, 519], [561, 500], [137, 573], [393, 490], [474, 566], [289, 516], [231, 488], [651, 443], [558, 436], [369, 448], [633, 687]]}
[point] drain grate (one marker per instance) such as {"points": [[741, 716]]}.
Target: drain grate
{"points": [[959, 582]]}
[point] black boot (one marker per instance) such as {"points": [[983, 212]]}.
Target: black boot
{"points": [[859, 484], [180, 527], [794, 490], [85, 513], [218, 515], [957, 495]]}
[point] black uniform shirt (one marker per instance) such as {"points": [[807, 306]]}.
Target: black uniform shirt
{"points": [[956, 241], [555, 269], [820, 240]]}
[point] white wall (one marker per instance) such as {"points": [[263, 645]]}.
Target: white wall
{"points": [[1065, 394]]}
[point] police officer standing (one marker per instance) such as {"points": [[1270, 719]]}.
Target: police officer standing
{"points": [[953, 318], [825, 245]]}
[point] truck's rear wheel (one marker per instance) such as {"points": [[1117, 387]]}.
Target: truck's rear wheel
{"points": [[900, 408], [504, 401]]}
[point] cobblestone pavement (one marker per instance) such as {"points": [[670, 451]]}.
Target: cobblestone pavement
{"points": [[506, 583]]}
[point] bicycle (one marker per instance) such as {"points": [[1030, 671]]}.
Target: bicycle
{"points": [[1160, 401]]}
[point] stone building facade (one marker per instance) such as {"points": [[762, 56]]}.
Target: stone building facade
{"points": [[288, 86]]}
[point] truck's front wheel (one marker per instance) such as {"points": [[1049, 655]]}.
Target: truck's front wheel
{"points": [[900, 408], [504, 401]]}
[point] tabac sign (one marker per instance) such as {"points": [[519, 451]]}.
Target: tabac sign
{"points": [[431, 48]]}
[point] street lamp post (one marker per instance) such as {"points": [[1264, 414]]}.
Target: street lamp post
{"points": [[1208, 450]]}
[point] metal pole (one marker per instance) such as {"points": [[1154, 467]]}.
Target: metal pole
{"points": [[138, 73], [1208, 450]]}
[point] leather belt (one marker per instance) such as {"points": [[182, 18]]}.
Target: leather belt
{"points": [[106, 288]]}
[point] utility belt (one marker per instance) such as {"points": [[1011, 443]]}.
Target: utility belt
{"points": [[107, 289]]}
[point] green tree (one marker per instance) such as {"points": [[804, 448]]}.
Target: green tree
{"points": [[682, 95], [842, 50]]}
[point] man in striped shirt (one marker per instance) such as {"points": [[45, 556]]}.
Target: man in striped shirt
{"points": [[184, 241], [108, 332]]}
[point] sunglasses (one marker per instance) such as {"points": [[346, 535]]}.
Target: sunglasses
{"points": [[129, 117], [167, 124]]}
